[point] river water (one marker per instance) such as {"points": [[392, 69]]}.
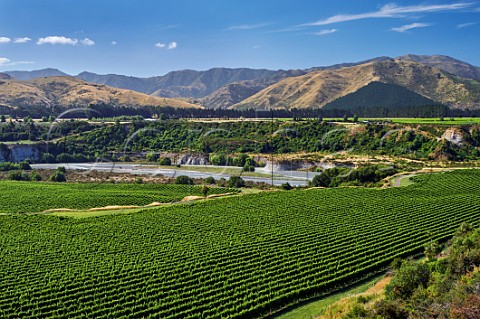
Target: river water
{"points": [[295, 178]]}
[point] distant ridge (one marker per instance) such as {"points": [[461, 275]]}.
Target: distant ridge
{"points": [[220, 88], [29, 75]]}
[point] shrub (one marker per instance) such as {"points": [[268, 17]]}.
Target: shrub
{"points": [[58, 176], [236, 181], [210, 180], [152, 157], [35, 176], [286, 186], [24, 166], [18, 176], [183, 179], [166, 161]]}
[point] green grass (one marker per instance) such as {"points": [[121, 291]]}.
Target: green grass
{"points": [[239, 257], [437, 121], [32, 197], [316, 308]]}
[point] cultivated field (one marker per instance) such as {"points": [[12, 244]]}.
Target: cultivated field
{"points": [[238, 257], [34, 197]]}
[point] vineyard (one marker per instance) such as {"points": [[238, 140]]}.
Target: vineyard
{"points": [[32, 197], [238, 257]]}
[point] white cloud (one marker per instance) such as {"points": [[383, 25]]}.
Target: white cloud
{"points": [[466, 25], [7, 62], [4, 61], [392, 11], [57, 40], [170, 46], [326, 31], [247, 26], [22, 40], [407, 27], [87, 41], [114, 42], [5, 40]]}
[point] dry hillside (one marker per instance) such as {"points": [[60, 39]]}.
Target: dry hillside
{"points": [[69, 91], [318, 88]]}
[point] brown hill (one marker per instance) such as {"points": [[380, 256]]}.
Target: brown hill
{"points": [[69, 91], [318, 88]]}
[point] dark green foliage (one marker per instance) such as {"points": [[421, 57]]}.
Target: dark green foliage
{"points": [[286, 186], [363, 176], [152, 157], [210, 180], [387, 96], [165, 161], [408, 278], [205, 189], [8, 166], [58, 176], [184, 180], [18, 176], [236, 181], [436, 288]]}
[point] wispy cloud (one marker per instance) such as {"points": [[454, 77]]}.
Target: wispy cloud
{"points": [[114, 42], [466, 25], [87, 42], [166, 27], [326, 31], [57, 40], [170, 46], [247, 26], [22, 40], [8, 62], [410, 26], [4, 40], [392, 11], [64, 40]]}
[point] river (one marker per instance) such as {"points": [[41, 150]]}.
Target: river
{"points": [[295, 178]]}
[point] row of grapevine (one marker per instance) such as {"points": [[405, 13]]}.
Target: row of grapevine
{"points": [[239, 257], [32, 197]]}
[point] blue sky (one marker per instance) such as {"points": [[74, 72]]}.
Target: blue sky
{"points": [[153, 37]]}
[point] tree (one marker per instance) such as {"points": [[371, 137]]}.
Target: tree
{"points": [[210, 180], [165, 161], [355, 118], [321, 180], [152, 157], [58, 176], [184, 180], [3, 119], [205, 190], [236, 181]]}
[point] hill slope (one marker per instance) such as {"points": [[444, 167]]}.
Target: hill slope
{"points": [[447, 64], [316, 89], [68, 91]]}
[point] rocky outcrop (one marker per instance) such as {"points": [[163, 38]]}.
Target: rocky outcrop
{"points": [[453, 135], [19, 152]]}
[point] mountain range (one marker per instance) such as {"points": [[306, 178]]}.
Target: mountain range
{"points": [[439, 79]]}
